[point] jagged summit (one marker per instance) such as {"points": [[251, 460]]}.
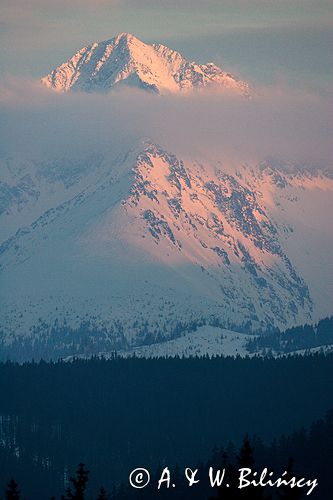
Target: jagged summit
{"points": [[124, 59]]}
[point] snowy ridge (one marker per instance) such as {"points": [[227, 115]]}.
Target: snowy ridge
{"points": [[205, 341], [124, 59], [144, 245]]}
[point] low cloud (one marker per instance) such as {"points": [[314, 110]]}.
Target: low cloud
{"points": [[276, 121]]}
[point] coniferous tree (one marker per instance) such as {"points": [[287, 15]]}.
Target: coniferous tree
{"points": [[227, 492], [12, 492], [79, 484], [286, 492], [245, 459]]}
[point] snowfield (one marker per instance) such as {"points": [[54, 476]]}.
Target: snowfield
{"points": [[137, 245], [145, 246], [205, 341]]}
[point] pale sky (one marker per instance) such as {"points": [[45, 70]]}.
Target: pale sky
{"points": [[262, 41]]}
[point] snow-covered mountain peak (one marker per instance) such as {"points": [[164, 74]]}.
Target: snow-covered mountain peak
{"points": [[124, 59], [142, 242]]}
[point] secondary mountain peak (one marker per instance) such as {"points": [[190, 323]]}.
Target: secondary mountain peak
{"points": [[124, 59], [139, 243]]}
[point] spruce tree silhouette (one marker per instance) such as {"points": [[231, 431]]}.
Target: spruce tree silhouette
{"points": [[231, 475], [286, 492], [79, 484], [245, 459], [12, 492]]}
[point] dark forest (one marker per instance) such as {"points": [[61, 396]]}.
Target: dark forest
{"points": [[116, 415]]}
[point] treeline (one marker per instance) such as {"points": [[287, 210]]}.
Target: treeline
{"points": [[61, 342], [48, 342], [293, 339], [76, 490], [303, 453], [313, 452], [116, 415]]}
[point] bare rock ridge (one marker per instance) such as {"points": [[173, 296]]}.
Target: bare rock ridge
{"points": [[127, 60]]}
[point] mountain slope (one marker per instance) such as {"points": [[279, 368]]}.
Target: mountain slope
{"points": [[144, 245], [124, 59]]}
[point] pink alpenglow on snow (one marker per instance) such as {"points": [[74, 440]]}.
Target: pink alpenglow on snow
{"points": [[127, 60]]}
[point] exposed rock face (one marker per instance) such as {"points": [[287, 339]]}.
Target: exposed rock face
{"points": [[147, 245]]}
